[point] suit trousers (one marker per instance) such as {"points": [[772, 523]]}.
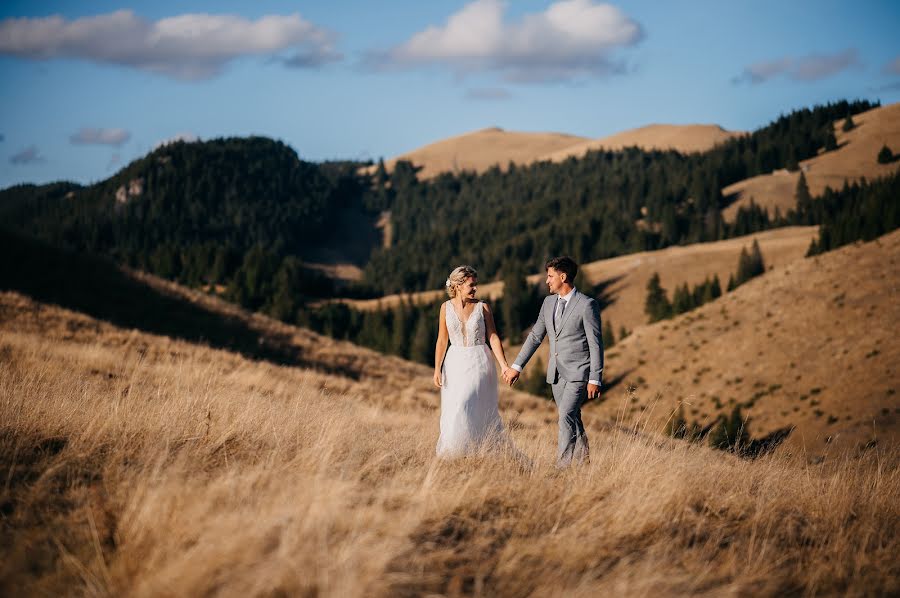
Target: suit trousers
{"points": [[573, 442]]}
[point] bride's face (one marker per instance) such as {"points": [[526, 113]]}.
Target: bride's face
{"points": [[468, 289]]}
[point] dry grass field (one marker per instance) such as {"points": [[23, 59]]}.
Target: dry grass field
{"points": [[683, 138], [480, 150], [135, 464], [855, 158]]}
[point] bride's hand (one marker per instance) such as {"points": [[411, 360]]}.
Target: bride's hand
{"points": [[437, 378]]}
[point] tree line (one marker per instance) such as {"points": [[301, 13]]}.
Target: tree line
{"points": [[602, 205]]}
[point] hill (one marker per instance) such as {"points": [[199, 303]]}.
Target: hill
{"points": [[138, 464], [479, 150], [810, 344], [202, 212], [681, 138], [624, 278], [854, 159]]}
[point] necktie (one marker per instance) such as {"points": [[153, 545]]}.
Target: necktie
{"points": [[560, 308]]}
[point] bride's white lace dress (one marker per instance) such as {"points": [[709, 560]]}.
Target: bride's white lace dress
{"points": [[469, 416]]}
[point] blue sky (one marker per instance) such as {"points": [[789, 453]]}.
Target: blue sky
{"points": [[89, 86]]}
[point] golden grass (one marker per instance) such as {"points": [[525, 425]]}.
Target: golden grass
{"points": [[137, 465], [480, 150], [810, 344], [681, 138]]}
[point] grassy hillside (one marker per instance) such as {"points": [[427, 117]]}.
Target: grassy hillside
{"points": [[810, 344], [479, 150], [136, 464], [681, 138], [855, 158]]}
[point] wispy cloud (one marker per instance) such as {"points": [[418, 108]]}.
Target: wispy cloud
{"points": [[186, 47], [488, 93], [29, 155], [570, 40], [114, 161], [892, 67], [806, 68], [91, 136]]}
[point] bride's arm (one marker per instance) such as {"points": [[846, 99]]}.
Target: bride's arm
{"points": [[440, 348], [494, 338]]}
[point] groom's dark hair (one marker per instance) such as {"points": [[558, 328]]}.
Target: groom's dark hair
{"points": [[563, 264]]}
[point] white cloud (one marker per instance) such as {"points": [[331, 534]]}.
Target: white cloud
{"points": [[29, 155], [807, 68], [187, 47], [186, 137], [91, 136], [571, 39]]}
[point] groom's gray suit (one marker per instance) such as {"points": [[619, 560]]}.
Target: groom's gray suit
{"points": [[576, 357]]}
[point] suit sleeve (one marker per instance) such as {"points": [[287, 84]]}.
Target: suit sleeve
{"points": [[594, 339], [532, 341]]}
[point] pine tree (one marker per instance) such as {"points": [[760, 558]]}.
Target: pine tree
{"points": [[885, 156], [623, 333], [657, 306], [422, 347], [515, 298], [849, 125], [830, 139], [681, 300], [757, 264], [400, 336], [803, 198]]}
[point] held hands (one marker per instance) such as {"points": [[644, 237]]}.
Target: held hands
{"points": [[510, 375]]}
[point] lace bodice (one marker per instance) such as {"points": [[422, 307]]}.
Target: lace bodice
{"points": [[470, 334]]}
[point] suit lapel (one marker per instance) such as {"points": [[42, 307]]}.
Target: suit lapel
{"points": [[576, 297], [552, 305]]}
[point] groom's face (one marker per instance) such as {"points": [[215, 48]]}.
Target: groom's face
{"points": [[555, 280]]}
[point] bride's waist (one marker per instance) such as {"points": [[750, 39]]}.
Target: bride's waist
{"points": [[468, 347]]}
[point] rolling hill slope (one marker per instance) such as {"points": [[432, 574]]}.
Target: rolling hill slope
{"points": [[811, 344], [855, 158], [681, 138], [480, 150], [139, 464]]}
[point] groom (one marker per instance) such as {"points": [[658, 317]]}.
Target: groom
{"points": [[575, 367]]}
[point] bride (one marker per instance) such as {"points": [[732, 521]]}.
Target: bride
{"points": [[465, 372]]}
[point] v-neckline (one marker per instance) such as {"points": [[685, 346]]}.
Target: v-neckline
{"points": [[456, 313]]}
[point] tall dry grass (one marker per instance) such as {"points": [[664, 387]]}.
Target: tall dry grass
{"points": [[184, 471]]}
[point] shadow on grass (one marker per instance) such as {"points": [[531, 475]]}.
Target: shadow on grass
{"points": [[96, 286]]}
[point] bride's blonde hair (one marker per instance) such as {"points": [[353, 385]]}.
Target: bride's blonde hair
{"points": [[458, 277]]}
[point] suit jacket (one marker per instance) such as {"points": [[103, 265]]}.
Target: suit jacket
{"points": [[576, 348]]}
